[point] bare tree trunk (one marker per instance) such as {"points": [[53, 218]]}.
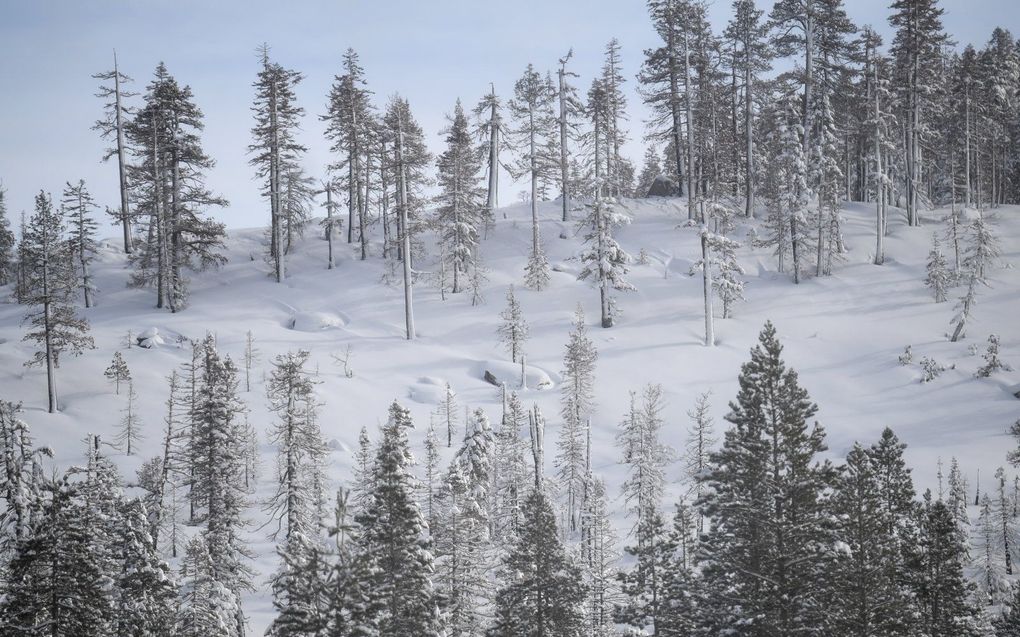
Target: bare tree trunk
{"points": [[405, 238], [121, 163], [690, 126], [564, 154], [329, 225], [706, 267]]}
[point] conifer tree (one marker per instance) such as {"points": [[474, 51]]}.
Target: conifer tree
{"points": [[53, 322], [942, 592], [513, 331], [939, 277], [114, 125], [118, 371], [605, 262], [992, 361], [644, 454], [208, 606], [128, 434], [216, 453], [577, 403], [7, 243], [531, 109], [274, 148], [169, 189], [786, 194], [540, 587], [300, 448], [509, 471], [489, 112], [767, 476], [392, 537], [460, 201], [77, 204], [146, 599]]}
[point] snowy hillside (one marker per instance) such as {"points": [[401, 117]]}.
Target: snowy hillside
{"points": [[842, 333]]}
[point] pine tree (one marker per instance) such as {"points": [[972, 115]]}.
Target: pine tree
{"points": [[992, 362], [208, 606], [786, 188], [349, 120], [274, 148], [128, 434], [605, 262], [615, 136], [169, 188], [118, 371], [509, 471], [531, 109], [146, 600], [53, 322], [540, 588], [917, 51], [216, 452], [939, 277], [294, 505], [20, 484], [577, 403], [874, 501], [392, 537], [941, 590], [113, 125], [447, 412], [7, 243], [77, 203], [301, 595], [766, 476], [361, 486], [489, 112], [644, 454], [513, 331], [460, 201]]}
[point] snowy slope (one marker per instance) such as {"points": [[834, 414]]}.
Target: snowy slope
{"points": [[842, 333]]}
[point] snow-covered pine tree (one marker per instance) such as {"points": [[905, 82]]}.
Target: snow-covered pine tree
{"points": [[651, 168], [644, 587], [701, 439], [300, 448], [489, 113], [447, 413], [786, 194], [459, 214], [348, 117], [513, 331], [510, 472], [939, 277], [20, 479], [599, 555], [1004, 520], [297, 199], [535, 124], [917, 51], [146, 590], [392, 537], [874, 501], [169, 189], [462, 541], [941, 590], [7, 243], [77, 203], [410, 156], [992, 361], [767, 472], [216, 453], [128, 434], [207, 606], [301, 589], [605, 262], [570, 109], [274, 146], [577, 402], [113, 125], [53, 323], [541, 591], [118, 371], [645, 455]]}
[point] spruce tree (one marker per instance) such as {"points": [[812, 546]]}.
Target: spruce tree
{"points": [[128, 433], [392, 537], [53, 322], [540, 588], [460, 200], [77, 205], [7, 242], [513, 331], [118, 371], [605, 262], [577, 402], [939, 277], [768, 551], [169, 190], [274, 149]]}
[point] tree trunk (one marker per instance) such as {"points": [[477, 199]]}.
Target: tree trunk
{"points": [[405, 238], [706, 258], [564, 169], [121, 163]]}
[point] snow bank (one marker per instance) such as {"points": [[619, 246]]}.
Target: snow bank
{"points": [[510, 373], [315, 321]]}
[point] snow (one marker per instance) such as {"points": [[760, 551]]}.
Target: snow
{"points": [[842, 333]]}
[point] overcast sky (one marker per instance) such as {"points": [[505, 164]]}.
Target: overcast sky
{"points": [[431, 51]]}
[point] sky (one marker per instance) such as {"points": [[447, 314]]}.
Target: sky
{"points": [[431, 52]]}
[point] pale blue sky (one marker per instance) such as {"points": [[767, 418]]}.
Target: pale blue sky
{"points": [[430, 51]]}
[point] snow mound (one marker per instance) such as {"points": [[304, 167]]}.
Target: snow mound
{"points": [[429, 390], [315, 321], [150, 338], [510, 373]]}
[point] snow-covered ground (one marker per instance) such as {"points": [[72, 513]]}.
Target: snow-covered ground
{"points": [[842, 333]]}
